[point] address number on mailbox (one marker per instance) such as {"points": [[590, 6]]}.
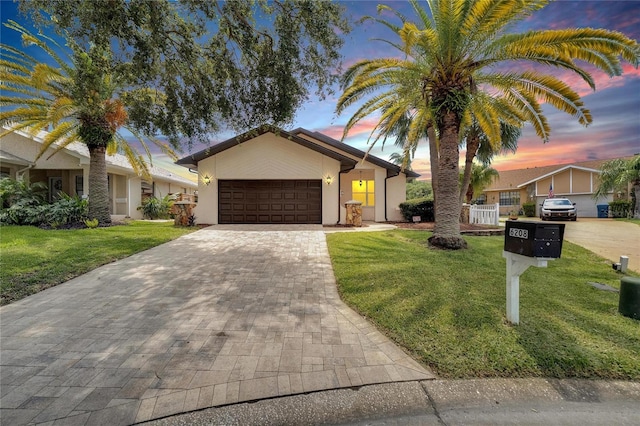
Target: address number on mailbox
{"points": [[519, 233]]}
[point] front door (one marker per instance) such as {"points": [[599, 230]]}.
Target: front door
{"points": [[55, 188]]}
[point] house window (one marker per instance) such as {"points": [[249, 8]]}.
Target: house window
{"points": [[363, 191], [482, 199], [510, 198], [79, 186]]}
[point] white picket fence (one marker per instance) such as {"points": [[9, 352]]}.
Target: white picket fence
{"points": [[484, 214]]}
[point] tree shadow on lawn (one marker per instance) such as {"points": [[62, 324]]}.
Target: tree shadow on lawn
{"points": [[569, 340]]}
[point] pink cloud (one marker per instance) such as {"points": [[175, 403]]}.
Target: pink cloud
{"points": [[363, 127]]}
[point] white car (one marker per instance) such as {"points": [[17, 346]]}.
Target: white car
{"points": [[558, 208]]}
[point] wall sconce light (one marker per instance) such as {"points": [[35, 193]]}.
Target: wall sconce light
{"points": [[328, 179], [206, 179]]}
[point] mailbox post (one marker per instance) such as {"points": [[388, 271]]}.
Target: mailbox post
{"points": [[527, 244]]}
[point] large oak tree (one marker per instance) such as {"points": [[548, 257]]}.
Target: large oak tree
{"points": [[214, 64]]}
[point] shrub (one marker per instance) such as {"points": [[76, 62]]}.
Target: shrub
{"points": [[25, 204], [419, 189], [22, 203], [91, 223], [67, 209], [157, 208], [24, 211], [529, 209], [620, 208], [418, 207], [11, 190]]}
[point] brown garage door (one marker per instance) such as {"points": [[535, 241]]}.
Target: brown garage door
{"points": [[270, 201]]}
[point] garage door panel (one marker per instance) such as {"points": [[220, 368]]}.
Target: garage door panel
{"points": [[270, 201]]}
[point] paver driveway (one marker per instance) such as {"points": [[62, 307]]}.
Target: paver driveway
{"points": [[223, 315]]}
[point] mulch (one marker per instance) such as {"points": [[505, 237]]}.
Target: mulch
{"points": [[428, 226]]}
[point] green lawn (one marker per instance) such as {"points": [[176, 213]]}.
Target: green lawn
{"points": [[32, 259], [448, 308]]}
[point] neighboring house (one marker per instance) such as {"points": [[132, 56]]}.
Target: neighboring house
{"points": [[269, 175], [576, 181], [68, 171]]}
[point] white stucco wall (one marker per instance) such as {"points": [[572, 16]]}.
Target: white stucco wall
{"points": [[28, 149], [396, 187], [267, 157], [396, 194], [135, 197]]}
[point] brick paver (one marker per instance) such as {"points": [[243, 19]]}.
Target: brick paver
{"points": [[223, 315]]}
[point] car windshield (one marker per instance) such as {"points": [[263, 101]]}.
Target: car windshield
{"points": [[557, 202]]}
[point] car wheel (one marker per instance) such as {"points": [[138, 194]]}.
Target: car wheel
{"points": [[574, 219]]}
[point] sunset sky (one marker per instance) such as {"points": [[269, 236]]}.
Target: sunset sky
{"points": [[615, 105]]}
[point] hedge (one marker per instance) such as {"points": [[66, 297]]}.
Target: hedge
{"points": [[418, 207], [620, 208], [529, 209]]}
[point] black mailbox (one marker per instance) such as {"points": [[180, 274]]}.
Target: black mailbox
{"points": [[534, 239]]}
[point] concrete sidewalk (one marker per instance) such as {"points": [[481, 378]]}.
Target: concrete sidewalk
{"points": [[440, 402], [216, 317]]}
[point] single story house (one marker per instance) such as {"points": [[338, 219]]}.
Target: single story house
{"points": [[576, 181], [269, 175], [68, 171]]}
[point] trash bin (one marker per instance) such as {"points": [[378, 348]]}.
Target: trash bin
{"points": [[603, 211], [629, 303]]}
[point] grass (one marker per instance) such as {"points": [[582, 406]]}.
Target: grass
{"points": [[448, 308], [33, 259]]}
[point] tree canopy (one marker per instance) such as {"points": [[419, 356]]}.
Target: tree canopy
{"points": [[219, 64]]}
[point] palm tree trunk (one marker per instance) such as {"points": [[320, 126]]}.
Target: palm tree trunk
{"points": [[473, 142], [635, 193], [98, 185], [433, 159], [446, 233]]}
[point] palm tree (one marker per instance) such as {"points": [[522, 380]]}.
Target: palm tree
{"points": [[617, 174], [479, 146], [480, 176], [401, 159], [452, 67], [79, 100]]}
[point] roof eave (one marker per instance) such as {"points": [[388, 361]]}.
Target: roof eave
{"points": [[391, 168], [192, 160], [561, 169]]}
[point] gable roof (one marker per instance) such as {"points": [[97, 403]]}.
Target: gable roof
{"points": [[191, 161], [10, 158], [518, 178], [346, 163], [392, 169]]}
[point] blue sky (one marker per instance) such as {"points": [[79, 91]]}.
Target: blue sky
{"points": [[615, 105]]}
